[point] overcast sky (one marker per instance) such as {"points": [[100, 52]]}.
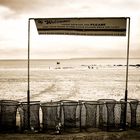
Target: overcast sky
{"points": [[14, 23]]}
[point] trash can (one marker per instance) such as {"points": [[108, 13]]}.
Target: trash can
{"points": [[91, 115], [119, 111], [51, 116], [34, 116], [132, 105], [8, 109], [138, 116], [71, 117], [106, 114]]}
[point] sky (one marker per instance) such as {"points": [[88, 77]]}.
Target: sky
{"points": [[14, 29]]}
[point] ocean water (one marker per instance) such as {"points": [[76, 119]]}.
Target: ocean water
{"points": [[74, 79]]}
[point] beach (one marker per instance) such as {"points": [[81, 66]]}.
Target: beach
{"points": [[71, 79]]}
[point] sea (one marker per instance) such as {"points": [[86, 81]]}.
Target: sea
{"points": [[69, 79]]}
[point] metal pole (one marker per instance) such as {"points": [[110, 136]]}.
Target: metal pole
{"points": [[127, 65], [28, 91]]}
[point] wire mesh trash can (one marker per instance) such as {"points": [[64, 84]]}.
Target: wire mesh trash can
{"points": [[119, 115], [71, 115], [106, 114], [8, 115], [91, 115], [51, 116], [138, 116], [34, 116], [132, 105]]}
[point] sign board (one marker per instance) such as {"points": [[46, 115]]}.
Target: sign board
{"points": [[82, 26]]}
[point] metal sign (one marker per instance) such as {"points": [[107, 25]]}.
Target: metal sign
{"points": [[82, 26]]}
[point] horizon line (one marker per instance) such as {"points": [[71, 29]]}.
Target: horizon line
{"points": [[12, 59]]}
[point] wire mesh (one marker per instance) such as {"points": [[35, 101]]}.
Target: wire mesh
{"points": [[91, 113], [119, 115], [51, 115], [138, 115], [70, 118], [123, 107], [8, 115], [106, 114], [69, 115], [133, 105], [34, 116]]}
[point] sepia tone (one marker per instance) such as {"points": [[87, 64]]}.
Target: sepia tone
{"points": [[56, 86]]}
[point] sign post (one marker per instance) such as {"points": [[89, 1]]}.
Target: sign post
{"points": [[127, 66], [28, 91], [110, 26]]}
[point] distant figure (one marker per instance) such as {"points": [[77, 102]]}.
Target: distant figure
{"points": [[58, 63]]}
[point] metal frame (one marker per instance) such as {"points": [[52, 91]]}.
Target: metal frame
{"points": [[127, 66]]}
